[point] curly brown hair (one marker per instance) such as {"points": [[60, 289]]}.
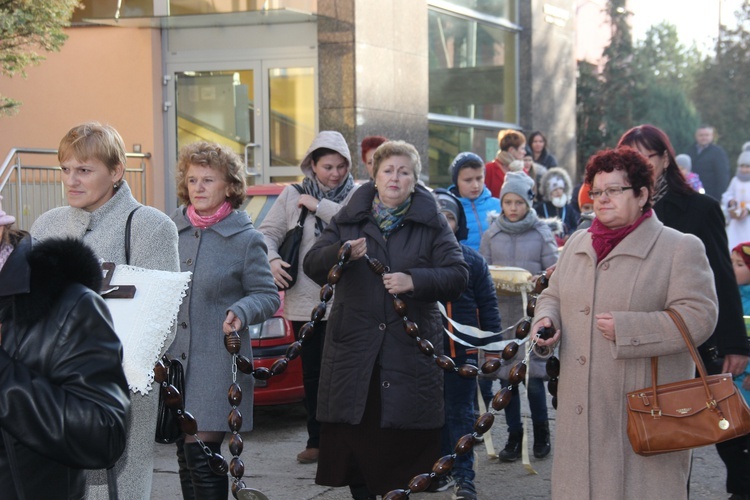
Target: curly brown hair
{"points": [[217, 157], [636, 167]]}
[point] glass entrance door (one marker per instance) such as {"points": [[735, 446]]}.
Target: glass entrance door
{"points": [[265, 111], [217, 106]]}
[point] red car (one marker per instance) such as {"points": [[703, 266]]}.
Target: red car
{"points": [[271, 339]]}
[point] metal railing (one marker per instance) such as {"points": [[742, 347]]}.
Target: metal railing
{"points": [[29, 188]]}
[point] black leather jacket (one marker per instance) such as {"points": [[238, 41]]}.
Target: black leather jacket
{"points": [[63, 394]]}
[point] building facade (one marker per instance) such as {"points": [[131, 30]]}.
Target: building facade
{"points": [[265, 76]]}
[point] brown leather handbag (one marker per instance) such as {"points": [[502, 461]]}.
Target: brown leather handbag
{"points": [[686, 414]]}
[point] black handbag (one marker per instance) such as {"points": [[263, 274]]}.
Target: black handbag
{"points": [[289, 248], [167, 425]]}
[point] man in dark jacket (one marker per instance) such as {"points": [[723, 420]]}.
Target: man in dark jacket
{"points": [[476, 307], [710, 162], [63, 394]]}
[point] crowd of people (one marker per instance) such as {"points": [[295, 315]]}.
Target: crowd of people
{"points": [[646, 231]]}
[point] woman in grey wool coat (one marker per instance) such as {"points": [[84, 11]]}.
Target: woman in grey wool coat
{"points": [[92, 159], [232, 288]]}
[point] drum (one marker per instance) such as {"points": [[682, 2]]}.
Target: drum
{"points": [[511, 280]]}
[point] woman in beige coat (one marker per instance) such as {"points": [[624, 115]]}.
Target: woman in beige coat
{"points": [[607, 299], [327, 186]]}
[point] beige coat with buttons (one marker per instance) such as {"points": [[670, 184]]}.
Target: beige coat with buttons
{"points": [[652, 269]]}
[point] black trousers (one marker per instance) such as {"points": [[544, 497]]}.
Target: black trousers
{"points": [[312, 354]]}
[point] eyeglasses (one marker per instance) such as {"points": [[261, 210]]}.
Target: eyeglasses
{"points": [[611, 192]]}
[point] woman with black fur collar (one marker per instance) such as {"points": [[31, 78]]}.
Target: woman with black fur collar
{"points": [[63, 394]]}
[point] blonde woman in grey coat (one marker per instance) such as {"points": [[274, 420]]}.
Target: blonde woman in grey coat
{"points": [[327, 186], [92, 159], [232, 288]]}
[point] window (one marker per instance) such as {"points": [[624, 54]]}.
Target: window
{"points": [[473, 61]]}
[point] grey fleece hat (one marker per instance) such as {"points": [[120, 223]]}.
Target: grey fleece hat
{"points": [[326, 139], [518, 183], [744, 158], [466, 159]]}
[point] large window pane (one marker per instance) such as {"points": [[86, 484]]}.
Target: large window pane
{"points": [[292, 120], [472, 69], [215, 106], [446, 141]]}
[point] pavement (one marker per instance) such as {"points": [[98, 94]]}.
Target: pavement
{"points": [[280, 433]]}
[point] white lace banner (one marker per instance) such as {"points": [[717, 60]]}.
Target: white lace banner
{"points": [[144, 323]]}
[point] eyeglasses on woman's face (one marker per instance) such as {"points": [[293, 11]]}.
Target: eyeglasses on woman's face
{"points": [[611, 192]]}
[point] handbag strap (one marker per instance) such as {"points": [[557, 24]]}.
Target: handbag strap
{"points": [[127, 234], [13, 462], [682, 327], [303, 212]]}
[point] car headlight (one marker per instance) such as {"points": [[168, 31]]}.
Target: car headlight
{"points": [[273, 328], [254, 331]]}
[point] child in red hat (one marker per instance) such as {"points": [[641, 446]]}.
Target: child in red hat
{"points": [[741, 265]]}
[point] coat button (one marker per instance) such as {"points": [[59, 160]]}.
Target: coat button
{"points": [[579, 409], [386, 384], [183, 356], [605, 266], [586, 310], [381, 326], [189, 262], [183, 324], [197, 234], [582, 360], [635, 341]]}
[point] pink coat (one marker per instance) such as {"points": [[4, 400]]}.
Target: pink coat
{"points": [[652, 269]]}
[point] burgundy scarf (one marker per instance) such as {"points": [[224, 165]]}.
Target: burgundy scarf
{"points": [[604, 239], [203, 222]]}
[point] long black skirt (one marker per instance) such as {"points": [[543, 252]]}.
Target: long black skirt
{"points": [[366, 454]]}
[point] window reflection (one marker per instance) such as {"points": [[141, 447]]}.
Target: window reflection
{"points": [[446, 141], [472, 69], [215, 106], [292, 108]]}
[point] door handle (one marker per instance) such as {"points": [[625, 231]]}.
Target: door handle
{"points": [[251, 170]]}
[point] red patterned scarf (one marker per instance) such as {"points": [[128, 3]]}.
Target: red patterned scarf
{"points": [[605, 239]]}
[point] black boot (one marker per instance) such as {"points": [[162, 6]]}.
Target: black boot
{"points": [[512, 450], [186, 482], [360, 492], [206, 484], [541, 439]]}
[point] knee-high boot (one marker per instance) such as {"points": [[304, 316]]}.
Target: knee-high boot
{"points": [[186, 482], [206, 484]]}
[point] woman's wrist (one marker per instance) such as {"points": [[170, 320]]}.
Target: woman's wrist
{"points": [[317, 207]]}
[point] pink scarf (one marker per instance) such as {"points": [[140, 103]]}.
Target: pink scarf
{"points": [[207, 221], [604, 239]]}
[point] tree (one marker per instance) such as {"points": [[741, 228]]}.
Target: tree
{"points": [[26, 28], [618, 91], [589, 113], [664, 71], [721, 90]]}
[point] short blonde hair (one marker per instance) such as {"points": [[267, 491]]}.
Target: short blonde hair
{"points": [[396, 148], [216, 157], [93, 140]]}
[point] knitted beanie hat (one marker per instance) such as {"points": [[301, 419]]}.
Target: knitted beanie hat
{"points": [[583, 195], [744, 158], [464, 160], [518, 183], [447, 202]]}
